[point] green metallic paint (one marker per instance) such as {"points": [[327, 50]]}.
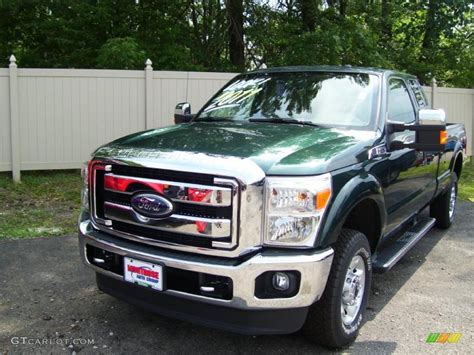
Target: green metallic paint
{"points": [[279, 149], [292, 149], [351, 186]]}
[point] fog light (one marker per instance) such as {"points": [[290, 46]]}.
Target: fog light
{"points": [[277, 284], [281, 281]]}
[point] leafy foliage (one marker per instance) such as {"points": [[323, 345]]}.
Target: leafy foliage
{"points": [[429, 38], [121, 53]]}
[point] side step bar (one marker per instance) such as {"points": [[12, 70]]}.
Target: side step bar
{"points": [[390, 254]]}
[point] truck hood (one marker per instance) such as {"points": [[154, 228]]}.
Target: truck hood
{"points": [[278, 149]]}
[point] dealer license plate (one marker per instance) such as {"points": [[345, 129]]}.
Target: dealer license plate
{"points": [[143, 273]]}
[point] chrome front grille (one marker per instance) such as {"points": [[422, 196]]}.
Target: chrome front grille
{"points": [[204, 218], [215, 228]]}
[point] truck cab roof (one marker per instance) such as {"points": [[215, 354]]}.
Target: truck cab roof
{"points": [[332, 69]]}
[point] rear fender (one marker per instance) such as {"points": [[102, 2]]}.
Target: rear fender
{"points": [[458, 150], [445, 173]]}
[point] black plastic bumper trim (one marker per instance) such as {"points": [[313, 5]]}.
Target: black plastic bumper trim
{"points": [[254, 322]]}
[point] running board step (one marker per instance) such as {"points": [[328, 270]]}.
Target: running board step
{"points": [[389, 255]]}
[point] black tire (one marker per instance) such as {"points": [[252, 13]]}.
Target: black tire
{"points": [[440, 208], [324, 324]]}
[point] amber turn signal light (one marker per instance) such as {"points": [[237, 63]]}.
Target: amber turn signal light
{"points": [[443, 137], [322, 198]]}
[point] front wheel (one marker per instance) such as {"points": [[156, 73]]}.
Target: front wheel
{"points": [[334, 321]]}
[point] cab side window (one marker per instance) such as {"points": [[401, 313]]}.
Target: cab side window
{"points": [[400, 107]]}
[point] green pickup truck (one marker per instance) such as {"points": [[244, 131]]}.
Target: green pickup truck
{"points": [[268, 211]]}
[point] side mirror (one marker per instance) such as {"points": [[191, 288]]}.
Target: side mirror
{"points": [[430, 130], [182, 113], [429, 117]]}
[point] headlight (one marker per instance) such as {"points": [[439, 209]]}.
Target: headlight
{"points": [[294, 209], [85, 186]]}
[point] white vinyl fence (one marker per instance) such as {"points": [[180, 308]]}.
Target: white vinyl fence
{"points": [[459, 107], [54, 118]]}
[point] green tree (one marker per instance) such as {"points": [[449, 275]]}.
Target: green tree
{"points": [[121, 53], [235, 19], [429, 38]]}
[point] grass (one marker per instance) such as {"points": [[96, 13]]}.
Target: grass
{"points": [[46, 203], [466, 183]]}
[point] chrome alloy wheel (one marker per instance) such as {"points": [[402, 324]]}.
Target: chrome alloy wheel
{"points": [[452, 201], [353, 290]]}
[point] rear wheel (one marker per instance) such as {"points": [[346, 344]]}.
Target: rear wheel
{"points": [[443, 207], [334, 321]]}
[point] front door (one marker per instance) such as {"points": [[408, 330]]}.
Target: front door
{"points": [[412, 178]]}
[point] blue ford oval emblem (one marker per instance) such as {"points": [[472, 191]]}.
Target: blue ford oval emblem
{"points": [[151, 205]]}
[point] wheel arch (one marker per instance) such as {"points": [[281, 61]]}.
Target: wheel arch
{"points": [[359, 205], [456, 163]]}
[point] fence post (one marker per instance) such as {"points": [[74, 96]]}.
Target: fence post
{"points": [[14, 120], [148, 94], [433, 92]]}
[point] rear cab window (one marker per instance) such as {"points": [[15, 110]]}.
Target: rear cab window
{"points": [[418, 92]]}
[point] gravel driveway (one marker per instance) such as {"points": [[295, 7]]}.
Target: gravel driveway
{"points": [[48, 300]]}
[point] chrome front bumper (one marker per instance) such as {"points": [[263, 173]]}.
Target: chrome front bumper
{"points": [[314, 269]]}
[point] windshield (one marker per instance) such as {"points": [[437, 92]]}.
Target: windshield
{"points": [[326, 99]]}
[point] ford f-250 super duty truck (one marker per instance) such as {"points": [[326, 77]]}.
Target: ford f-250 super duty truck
{"points": [[269, 209]]}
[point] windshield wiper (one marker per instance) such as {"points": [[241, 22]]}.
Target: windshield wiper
{"points": [[213, 119], [283, 120]]}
